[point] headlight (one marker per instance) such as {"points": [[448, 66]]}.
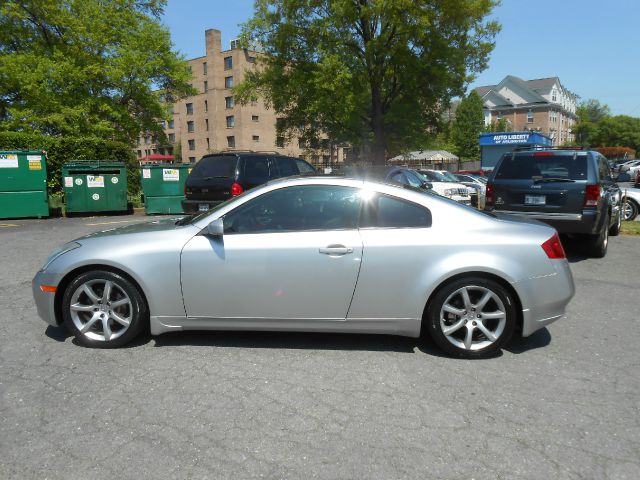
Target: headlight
{"points": [[450, 192], [67, 247]]}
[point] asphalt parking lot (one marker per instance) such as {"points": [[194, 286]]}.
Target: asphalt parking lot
{"points": [[562, 404]]}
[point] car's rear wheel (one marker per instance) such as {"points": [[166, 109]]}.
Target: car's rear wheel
{"points": [[471, 317], [614, 231], [103, 309], [597, 244], [629, 210]]}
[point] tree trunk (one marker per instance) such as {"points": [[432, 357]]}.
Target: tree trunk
{"points": [[379, 146]]}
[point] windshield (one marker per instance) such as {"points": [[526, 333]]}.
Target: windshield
{"points": [[210, 167], [450, 177], [432, 176], [524, 167]]}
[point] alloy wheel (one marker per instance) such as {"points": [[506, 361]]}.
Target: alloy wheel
{"points": [[473, 317], [101, 310]]}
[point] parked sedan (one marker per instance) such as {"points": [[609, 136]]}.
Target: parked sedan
{"points": [[314, 254], [631, 206]]}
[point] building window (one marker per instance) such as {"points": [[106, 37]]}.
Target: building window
{"points": [[251, 59], [231, 142], [231, 121], [191, 126], [206, 86], [147, 139], [172, 137], [206, 105], [280, 142], [255, 118], [228, 82], [301, 143], [192, 144], [529, 116], [139, 153], [228, 63], [553, 96], [204, 68], [171, 124], [256, 138], [206, 124], [189, 108], [208, 144], [192, 159], [228, 102]]}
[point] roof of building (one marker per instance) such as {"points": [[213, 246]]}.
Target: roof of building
{"points": [[424, 155], [542, 82]]}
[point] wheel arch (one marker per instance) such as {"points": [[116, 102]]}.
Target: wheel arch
{"points": [[487, 275], [68, 278]]}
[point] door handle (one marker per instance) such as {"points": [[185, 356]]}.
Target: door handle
{"points": [[335, 250]]}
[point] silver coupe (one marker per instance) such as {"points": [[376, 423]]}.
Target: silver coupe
{"points": [[314, 254]]}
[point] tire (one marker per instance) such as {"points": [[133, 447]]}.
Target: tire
{"points": [[614, 231], [459, 326], [103, 318], [597, 244], [630, 210]]}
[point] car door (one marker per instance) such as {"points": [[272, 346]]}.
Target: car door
{"points": [[290, 254], [395, 235]]}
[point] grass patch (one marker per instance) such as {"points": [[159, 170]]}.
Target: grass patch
{"points": [[630, 228]]}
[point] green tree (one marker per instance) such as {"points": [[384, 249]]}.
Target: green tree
{"points": [[618, 131], [370, 72], [467, 126], [500, 125], [87, 67], [590, 114]]}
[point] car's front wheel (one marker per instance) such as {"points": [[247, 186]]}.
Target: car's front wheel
{"points": [[471, 317], [629, 210], [103, 309]]}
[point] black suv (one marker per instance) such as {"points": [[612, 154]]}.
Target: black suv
{"points": [[220, 176], [570, 189]]}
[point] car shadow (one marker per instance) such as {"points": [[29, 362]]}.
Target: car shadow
{"points": [[575, 249], [538, 339], [289, 340], [61, 334]]}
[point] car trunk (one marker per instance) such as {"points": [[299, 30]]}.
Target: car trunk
{"points": [[212, 178]]}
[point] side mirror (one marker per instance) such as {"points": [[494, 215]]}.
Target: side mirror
{"points": [[215, 228], [427, 185]]}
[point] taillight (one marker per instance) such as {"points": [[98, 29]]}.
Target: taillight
{"points": [[592, 196], [489, 194], [553, 247], [236, 189], [543, 154]]}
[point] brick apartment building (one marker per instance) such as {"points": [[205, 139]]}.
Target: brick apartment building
{"points": [[543, 105], [212, 121]]}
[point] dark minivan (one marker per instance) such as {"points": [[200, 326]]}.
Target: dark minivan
{"points": [[570, 189], [220, 176]]}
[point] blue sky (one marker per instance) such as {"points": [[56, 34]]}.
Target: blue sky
{"points": [[593, 46]]}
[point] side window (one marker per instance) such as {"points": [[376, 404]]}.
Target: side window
{"points": [[605, 174], [414, 181], [304, 167], [286, 166], [256, 170], [398, 178], [297, 209], [384, 211]]}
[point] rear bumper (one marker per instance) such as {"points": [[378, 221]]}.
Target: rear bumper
{"points": [[585, 222], [544, 299], [193, 206]]}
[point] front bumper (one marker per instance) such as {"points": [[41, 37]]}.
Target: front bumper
{"points": [[545, 298], [45, 302]]}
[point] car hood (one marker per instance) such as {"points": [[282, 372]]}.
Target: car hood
{"points": [[162, 225], [443, 185]]}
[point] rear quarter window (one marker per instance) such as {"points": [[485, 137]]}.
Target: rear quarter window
{"points": [[384, 211]]}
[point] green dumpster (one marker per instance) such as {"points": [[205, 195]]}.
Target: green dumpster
{"points": [[163, 187], [94, 186], [23, 184]]}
